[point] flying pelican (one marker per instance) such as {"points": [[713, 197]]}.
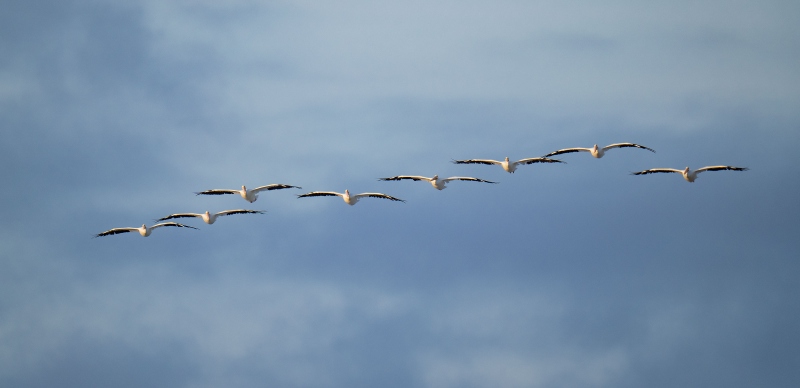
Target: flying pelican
{"points": [[209, 218], [688, 174], [249, 195], [438, 184], [598, 152], [348, 199], [506, 164], [143, 230]]}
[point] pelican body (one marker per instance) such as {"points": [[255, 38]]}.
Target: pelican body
{"points": [[438, 184], [598, 152], [248, 195], [506, 164], [209, 218], [687, 173], [348, 199], [143, 230]]}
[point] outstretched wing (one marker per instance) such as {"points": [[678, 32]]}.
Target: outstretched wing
{"points": [[627, 145], [240, 211], [217, 192], [171, 224], [179, 215], [657, 170], [320, 194], [718, 168], [402, 177], [466, 178], [538, 160], [568, 150], [116, 231], [476, 161], [274, 186], [378, 195]]}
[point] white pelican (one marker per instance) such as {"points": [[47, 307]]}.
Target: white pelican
{"points": [[438, 184], [598, 152], [688, 174], [249, 195], [143, 230], [348, 199], [209, 218], [506, 164]]}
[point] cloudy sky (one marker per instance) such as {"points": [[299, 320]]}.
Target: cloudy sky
{"points": [[568, 275]]}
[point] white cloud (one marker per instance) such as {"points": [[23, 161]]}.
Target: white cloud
{"points": [[223, 321], [496, 367]]}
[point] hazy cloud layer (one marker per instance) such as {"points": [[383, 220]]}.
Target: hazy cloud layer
{"points": [[560, 275]]}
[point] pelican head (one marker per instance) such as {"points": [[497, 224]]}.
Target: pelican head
{"points": [[595, 148], [144, 227], [686, 170], [436, 177], [208, 214], [347, 192], [506, 159], [244, 188]]}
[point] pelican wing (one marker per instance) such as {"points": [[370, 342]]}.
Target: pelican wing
{"points": [[117, 231], [377, 195], [320, 194], [627, 145], [466, 178], [538, 160], [239, 211], [476, 161], [171, 224], [217, 192], [179, 215], [402, 177], [274, 186], [568, 150], [656, 170], [718, 168]]}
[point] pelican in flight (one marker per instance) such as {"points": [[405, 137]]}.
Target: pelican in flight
{"points": [[348, 199], [598, 152], [209, 218], [688, 174], [249, 195], [506, 164], [143, 230], [438, 184]]}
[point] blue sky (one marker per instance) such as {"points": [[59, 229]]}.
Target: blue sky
{"points": [[570, 275]]}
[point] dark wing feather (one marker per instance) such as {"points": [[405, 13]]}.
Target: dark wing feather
{"points": [[115, 231], [402, 177], [175, 224], [217, 192], [178, 215], [476, 161], [720, 168], [538, 160], [466, 178], [566, 151], [379, 195], [656, 170], [319, 194], [628, 145], [240, 211], [275, 186]]}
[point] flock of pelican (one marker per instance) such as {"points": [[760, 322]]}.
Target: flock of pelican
{"points": [[438, 183]]}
